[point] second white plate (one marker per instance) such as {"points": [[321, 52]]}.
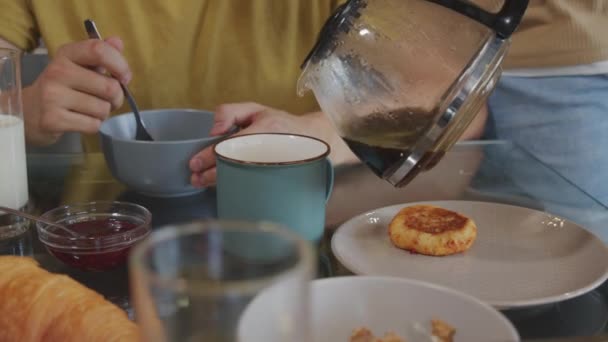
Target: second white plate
{"points": [[522, 257]]}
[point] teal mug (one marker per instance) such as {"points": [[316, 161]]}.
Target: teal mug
{"points": [[281, 178]]}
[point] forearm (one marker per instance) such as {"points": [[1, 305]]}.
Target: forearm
{"points": [[322, 128], [477, 126]]}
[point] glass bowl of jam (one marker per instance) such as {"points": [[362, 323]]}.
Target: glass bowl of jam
{"points": [[104, 233]]}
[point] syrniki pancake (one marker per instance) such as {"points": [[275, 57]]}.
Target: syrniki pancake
{"points": [[431, 230]]}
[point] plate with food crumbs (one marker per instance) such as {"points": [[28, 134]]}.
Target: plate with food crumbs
{"points": [[505, 255], [385, 309]]}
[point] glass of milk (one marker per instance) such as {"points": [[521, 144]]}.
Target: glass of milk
{"points": [[13, 172]]}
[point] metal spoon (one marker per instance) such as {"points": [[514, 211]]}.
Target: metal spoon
{"points": [[141, 133], [38, 219]]}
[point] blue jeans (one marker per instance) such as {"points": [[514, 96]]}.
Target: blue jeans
{"points": [[563, 121]]}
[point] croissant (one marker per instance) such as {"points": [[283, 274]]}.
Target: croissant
{"points": [[36, 305]]}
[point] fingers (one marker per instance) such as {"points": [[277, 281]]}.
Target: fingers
{"points": [[206, 179], [236, 114], [203, 160], [242, 115], [202, 166], [97, 53], [78, 102], [87, 81], [117, 44], [203, 163], [63, 120]]}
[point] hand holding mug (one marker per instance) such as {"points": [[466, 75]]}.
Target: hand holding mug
{"points": [[250, 118]]}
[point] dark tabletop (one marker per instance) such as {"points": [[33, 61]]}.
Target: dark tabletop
{"points": [[484, 171]]}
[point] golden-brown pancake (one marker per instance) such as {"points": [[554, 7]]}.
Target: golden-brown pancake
{"points": [[431, 230]]}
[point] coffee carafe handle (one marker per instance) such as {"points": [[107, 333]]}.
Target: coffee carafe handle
{"points": [[504, 22]]}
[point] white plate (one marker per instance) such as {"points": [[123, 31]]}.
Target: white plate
{"points": [[382, 304], [521, 257]]}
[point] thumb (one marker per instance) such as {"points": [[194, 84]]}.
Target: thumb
{"points": [[234, 114]]}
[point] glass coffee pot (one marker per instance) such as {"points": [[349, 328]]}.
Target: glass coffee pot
{"points": [[401, 80]]}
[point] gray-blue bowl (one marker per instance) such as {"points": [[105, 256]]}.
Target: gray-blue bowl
{"points": [[157, 168]]}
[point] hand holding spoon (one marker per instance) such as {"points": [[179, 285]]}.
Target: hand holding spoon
{"points": [[141, 133]]}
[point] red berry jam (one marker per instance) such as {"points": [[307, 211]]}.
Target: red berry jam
{"points": [[99, 257]]}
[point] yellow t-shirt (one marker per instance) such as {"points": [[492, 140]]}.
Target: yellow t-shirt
{"points": [[187, 53]]}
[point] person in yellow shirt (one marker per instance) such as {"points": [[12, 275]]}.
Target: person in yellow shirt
{"points": [[206, 54], [184, 53]]}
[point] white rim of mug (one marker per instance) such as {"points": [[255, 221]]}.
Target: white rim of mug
{"points": [[294, 162], [210, 139], [137, 264]]}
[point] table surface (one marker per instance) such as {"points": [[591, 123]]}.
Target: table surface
{"points": [[493, 171]]}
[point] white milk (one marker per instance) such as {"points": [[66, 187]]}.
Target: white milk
{"points": [[13, 172]]}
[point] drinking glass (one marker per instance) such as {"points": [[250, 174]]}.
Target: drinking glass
{"points": [[222, 281], [13, 187]]}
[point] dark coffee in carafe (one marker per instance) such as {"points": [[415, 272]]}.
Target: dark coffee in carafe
{"points": [[382, 140], [372, 57]]}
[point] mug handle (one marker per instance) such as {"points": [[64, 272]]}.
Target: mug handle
{"points": [[504, 22], [330, 180]]}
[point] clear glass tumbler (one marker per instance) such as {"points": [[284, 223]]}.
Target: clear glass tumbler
{"points": [[13, 172], [198, 282]]}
